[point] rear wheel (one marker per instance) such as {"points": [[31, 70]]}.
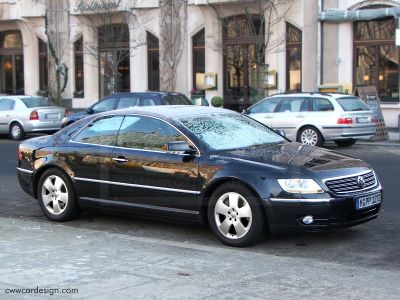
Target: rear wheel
{"points": [[345, 143], [311, 136], [236, 216], [56, 196], [16, 131]]}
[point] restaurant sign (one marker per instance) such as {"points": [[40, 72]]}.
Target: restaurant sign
{"points": [[105, 5]]}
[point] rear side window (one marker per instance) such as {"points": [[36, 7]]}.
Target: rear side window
{"points": [[125, 102], [6, 104], [147, 102], [102, 131], [320, 104], [290, 105], [177, 100], [105, 105], [36, 102], [146, 133], [352, 104], [265, 106]]}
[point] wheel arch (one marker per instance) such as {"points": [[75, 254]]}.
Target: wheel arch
{"points": [[308, 125], [205, 199], [39, 173]]}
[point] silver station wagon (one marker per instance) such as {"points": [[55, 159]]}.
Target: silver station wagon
{"points": [[20, 115], [313, 118]]}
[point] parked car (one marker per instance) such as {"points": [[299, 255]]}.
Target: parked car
{"points": [[313, 118], [126, 100], [205, 165], [20, 115]]}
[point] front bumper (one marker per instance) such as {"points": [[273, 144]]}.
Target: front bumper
{"points": [[328, 213]]}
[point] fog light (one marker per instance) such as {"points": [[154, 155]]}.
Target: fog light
{"points": [[307, 220]]}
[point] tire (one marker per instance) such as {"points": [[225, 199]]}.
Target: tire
{"points": [[16, 131], [56, 196], [227, 203], [346, 143], [310, 136]]}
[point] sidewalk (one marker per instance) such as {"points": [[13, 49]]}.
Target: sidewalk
{"points": [[394, 140]]}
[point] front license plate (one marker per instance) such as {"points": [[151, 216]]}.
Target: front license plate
{"points": [[52, 116], [362, 120], [368, 201]]}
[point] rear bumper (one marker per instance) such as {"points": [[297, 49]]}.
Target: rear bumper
{"points": [[331, 213], [348, 132], [25, 179], [40, 126]]}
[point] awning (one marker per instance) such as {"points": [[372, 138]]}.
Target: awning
{"points": [[338, 16]]}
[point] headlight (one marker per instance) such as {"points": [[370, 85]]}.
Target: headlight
{"points": [[300, 186]]}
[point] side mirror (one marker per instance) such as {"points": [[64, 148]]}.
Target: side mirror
{"points": [[181, 147], [281, 132], [245, 111], [89, 110]]}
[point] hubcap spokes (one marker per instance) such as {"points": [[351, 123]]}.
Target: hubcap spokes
{"points": [[233, 215], [55, 195], [309, 137], [16, 131]]}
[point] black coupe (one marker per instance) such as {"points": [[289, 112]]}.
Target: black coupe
{"points": [[199, 164]]}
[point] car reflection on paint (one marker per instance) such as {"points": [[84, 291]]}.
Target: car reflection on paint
{"points": [[206, 165]]}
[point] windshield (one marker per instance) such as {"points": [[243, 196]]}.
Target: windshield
{"points": [[36, 102], [178, 99], [229, 131], [352, 104]]}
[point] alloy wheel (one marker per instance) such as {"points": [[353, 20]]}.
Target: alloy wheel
{"points": [[16, 131], [233, 215], [55, 195], [309, 137]]}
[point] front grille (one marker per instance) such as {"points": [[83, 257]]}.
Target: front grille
{"points": [[350, 184]]}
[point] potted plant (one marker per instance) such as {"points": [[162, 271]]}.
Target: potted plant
{"points": [[217, 101]]}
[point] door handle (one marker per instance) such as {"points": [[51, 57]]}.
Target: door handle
{"points": [[268, 117], [119, 159], [300, 116]]}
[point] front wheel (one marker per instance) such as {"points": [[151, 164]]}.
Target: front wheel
{"points": [[56, 196], [345, 143], [236, 216], [310, 136]]}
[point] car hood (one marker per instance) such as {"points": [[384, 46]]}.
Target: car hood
{"points": [[78, 115], [297, 157]]}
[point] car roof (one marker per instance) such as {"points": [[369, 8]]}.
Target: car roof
{"points": [[147, 93], [170, 111], [333, 95]]}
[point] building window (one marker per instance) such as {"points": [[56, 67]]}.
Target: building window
{"points": [[114, 59], [376, 58], [243, 48], [11, 63], [79, 71], [153, 62], [199, 54], [293, 58], [43, 67]]}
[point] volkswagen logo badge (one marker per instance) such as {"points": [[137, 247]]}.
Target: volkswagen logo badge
{"points": [[361, 182]]}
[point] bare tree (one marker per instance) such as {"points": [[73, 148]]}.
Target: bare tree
{"points": [[173, 18], [57, 33], [248, 38]]}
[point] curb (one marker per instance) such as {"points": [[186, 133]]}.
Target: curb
{"points": [[388, 144]]}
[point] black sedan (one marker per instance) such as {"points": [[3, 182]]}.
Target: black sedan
{"points": [[205, 165]]}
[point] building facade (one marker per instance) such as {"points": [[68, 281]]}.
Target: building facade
{"points": [[231, 49]]}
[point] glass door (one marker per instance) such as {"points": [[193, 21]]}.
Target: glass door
{"points": [[12, 74]]}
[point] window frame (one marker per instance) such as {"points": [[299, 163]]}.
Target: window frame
{"points": [[290, 45], [12, 106], [79, 54], [198, 153]]}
